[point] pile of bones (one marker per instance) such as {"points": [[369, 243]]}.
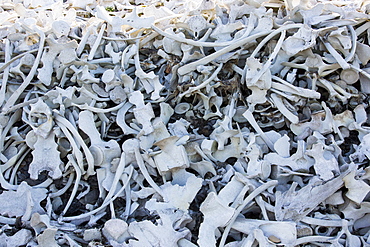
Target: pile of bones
{"points": [[184, 123]]}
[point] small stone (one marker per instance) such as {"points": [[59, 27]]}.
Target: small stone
{"points": [[274, 239], [92, 234], [304, 230]]}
